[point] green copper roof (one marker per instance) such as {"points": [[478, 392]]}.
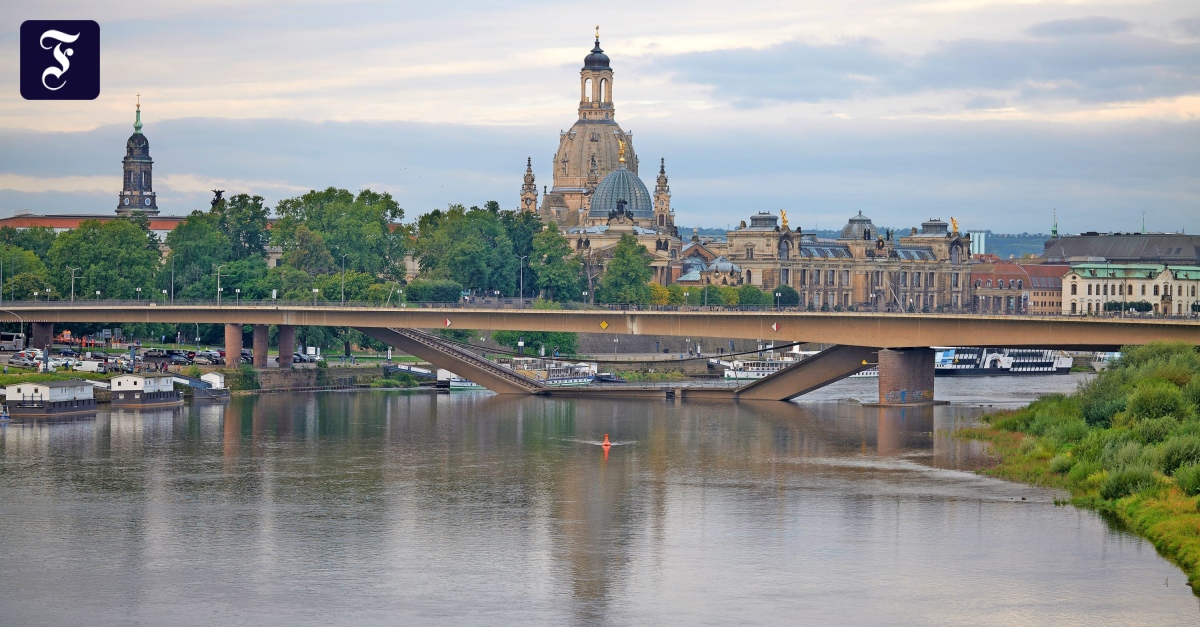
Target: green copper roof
{"points": [[137, 124]]}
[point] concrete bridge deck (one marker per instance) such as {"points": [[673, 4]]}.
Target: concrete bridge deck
{"points": [[877, 330]]}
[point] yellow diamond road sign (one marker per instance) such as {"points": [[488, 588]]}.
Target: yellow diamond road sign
{"points": [[603, 324]]}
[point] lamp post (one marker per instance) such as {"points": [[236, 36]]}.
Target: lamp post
{"points": [[238, 292], [164, 296], [48, 290], [73, 271], [219, 284], [97, 294], [777, 297], [585, 296], [521, 269], [315, 290], [344, 277], [36, 295], [685, 299], [139, 292]]}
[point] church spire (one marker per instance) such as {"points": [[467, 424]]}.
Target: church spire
{"points": [[137, 122], [529, 195], [1054, 229]]}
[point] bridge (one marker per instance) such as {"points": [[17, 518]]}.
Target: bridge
{"points": [[900, 342]]}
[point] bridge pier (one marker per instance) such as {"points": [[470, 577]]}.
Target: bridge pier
{"points": [[260, 346], [233, 345], [42, 335], [906, 376], [287, 344]]}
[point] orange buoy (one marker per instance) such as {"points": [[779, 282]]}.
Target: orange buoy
{"points": [[606, 443]]}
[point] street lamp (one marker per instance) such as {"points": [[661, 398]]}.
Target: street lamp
{"points": [[777, 296], [36, 294], [139, 291], [344, 277], [73, 271], [238, 295], [164, 296], [48, 290], [315, 290], [97, 294], [521, 269], [219, 283]]}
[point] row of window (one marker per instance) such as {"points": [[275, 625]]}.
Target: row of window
{"points": [[1017, 284], [1125, 289]]}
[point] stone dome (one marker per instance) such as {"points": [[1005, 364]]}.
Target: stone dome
{"points": [[857, 227], [596, 59], [622, 188]]}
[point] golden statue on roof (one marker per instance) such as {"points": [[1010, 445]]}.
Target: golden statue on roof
{"points": [[953, 225], [783, 218], [620, 151]]}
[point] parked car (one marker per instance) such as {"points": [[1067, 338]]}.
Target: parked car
{"points": [[22, 362], [180, 360], [301, 358], [209, 353], [206, 360], [155, 352], [68, 352]]}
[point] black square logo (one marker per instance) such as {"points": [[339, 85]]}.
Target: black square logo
{"points": [[60, 60]]}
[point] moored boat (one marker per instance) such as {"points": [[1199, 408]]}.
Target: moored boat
{"points": [[986, 361]]}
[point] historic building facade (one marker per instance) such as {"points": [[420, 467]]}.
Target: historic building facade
{"points": [[1094, 288], [925, 270]]}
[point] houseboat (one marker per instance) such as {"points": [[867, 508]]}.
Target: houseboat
{"points": [[215, 390], [552, 372], [144, 390], [981, 361], [451, 381], [50, 398]]}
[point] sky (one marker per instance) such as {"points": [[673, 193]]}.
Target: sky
{"points": [[1001, 114]]}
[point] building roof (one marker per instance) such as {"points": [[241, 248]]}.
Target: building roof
{"points": [[596, 59], [54, 384], [857, 227], [1134, 270], [623, 190], [1125, 247]]}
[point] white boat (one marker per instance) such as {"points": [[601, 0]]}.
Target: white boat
{"points": [[977, 361], [448, 379], [769, 363], [1100, 361], [869, 373]]}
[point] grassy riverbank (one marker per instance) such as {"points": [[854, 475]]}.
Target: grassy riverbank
{"points": [[1127, 444]]}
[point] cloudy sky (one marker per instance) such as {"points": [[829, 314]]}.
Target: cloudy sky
{"points": [[996, 112]]}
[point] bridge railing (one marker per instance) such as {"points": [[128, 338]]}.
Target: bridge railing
{"points": [[516, 304]]}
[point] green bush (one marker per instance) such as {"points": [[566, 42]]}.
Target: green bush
{"points": [[1067, 431], [1081, 471], [1126, 481], [1155, 399], [1188, 479], [1121, 453], [438, 291], [1061, 463], [1153, 430], [1179, 451], [1191, 393], [1137, 356], [247, 377]]}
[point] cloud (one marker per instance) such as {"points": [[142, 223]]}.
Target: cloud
{"points": [[1094, 25], [998, 175], [1191, 26], [1089, 60]]}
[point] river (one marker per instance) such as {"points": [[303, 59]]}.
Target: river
{"points": [[384, 508]]}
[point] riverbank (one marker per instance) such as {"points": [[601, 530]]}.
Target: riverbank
{"points": [[1126, 444]]}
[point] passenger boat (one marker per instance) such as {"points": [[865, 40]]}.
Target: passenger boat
{"points": [[983, 361], [449, 380], [769, 363], [49, 398], [552, 372]]}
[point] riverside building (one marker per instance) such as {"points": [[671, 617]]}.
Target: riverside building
{"points": [[1094, 288]]}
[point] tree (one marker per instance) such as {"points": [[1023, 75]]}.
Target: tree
{"points": [[730, 295], [659, 295], [555, 268], [36, 239], [712, 295], [626, 280], [468, 246], [243, 219], [16, 261], [364, 227], [440, 291], [24, 285], [522, 227], [197, 244], [307, 251], [675, 294], [788, 297], [750, 295], [115, 258]]}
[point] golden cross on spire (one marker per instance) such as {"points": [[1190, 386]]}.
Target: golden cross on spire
{"points": [[139, 101]]}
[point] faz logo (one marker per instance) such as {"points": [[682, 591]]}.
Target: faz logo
{"points": [[60, 60]]}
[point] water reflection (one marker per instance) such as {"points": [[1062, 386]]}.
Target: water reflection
{"points": [[475, 508]]}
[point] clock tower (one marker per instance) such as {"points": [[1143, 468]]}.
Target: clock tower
{"points": [[137, 193], [529, 194]]}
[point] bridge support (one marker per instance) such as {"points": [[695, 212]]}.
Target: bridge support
{"points": [[42, 335], [830, 365], [287, 344], [906, 376], [233, 345], [260, 346]]}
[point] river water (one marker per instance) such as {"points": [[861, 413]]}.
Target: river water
{"points": [[412, 508]]}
